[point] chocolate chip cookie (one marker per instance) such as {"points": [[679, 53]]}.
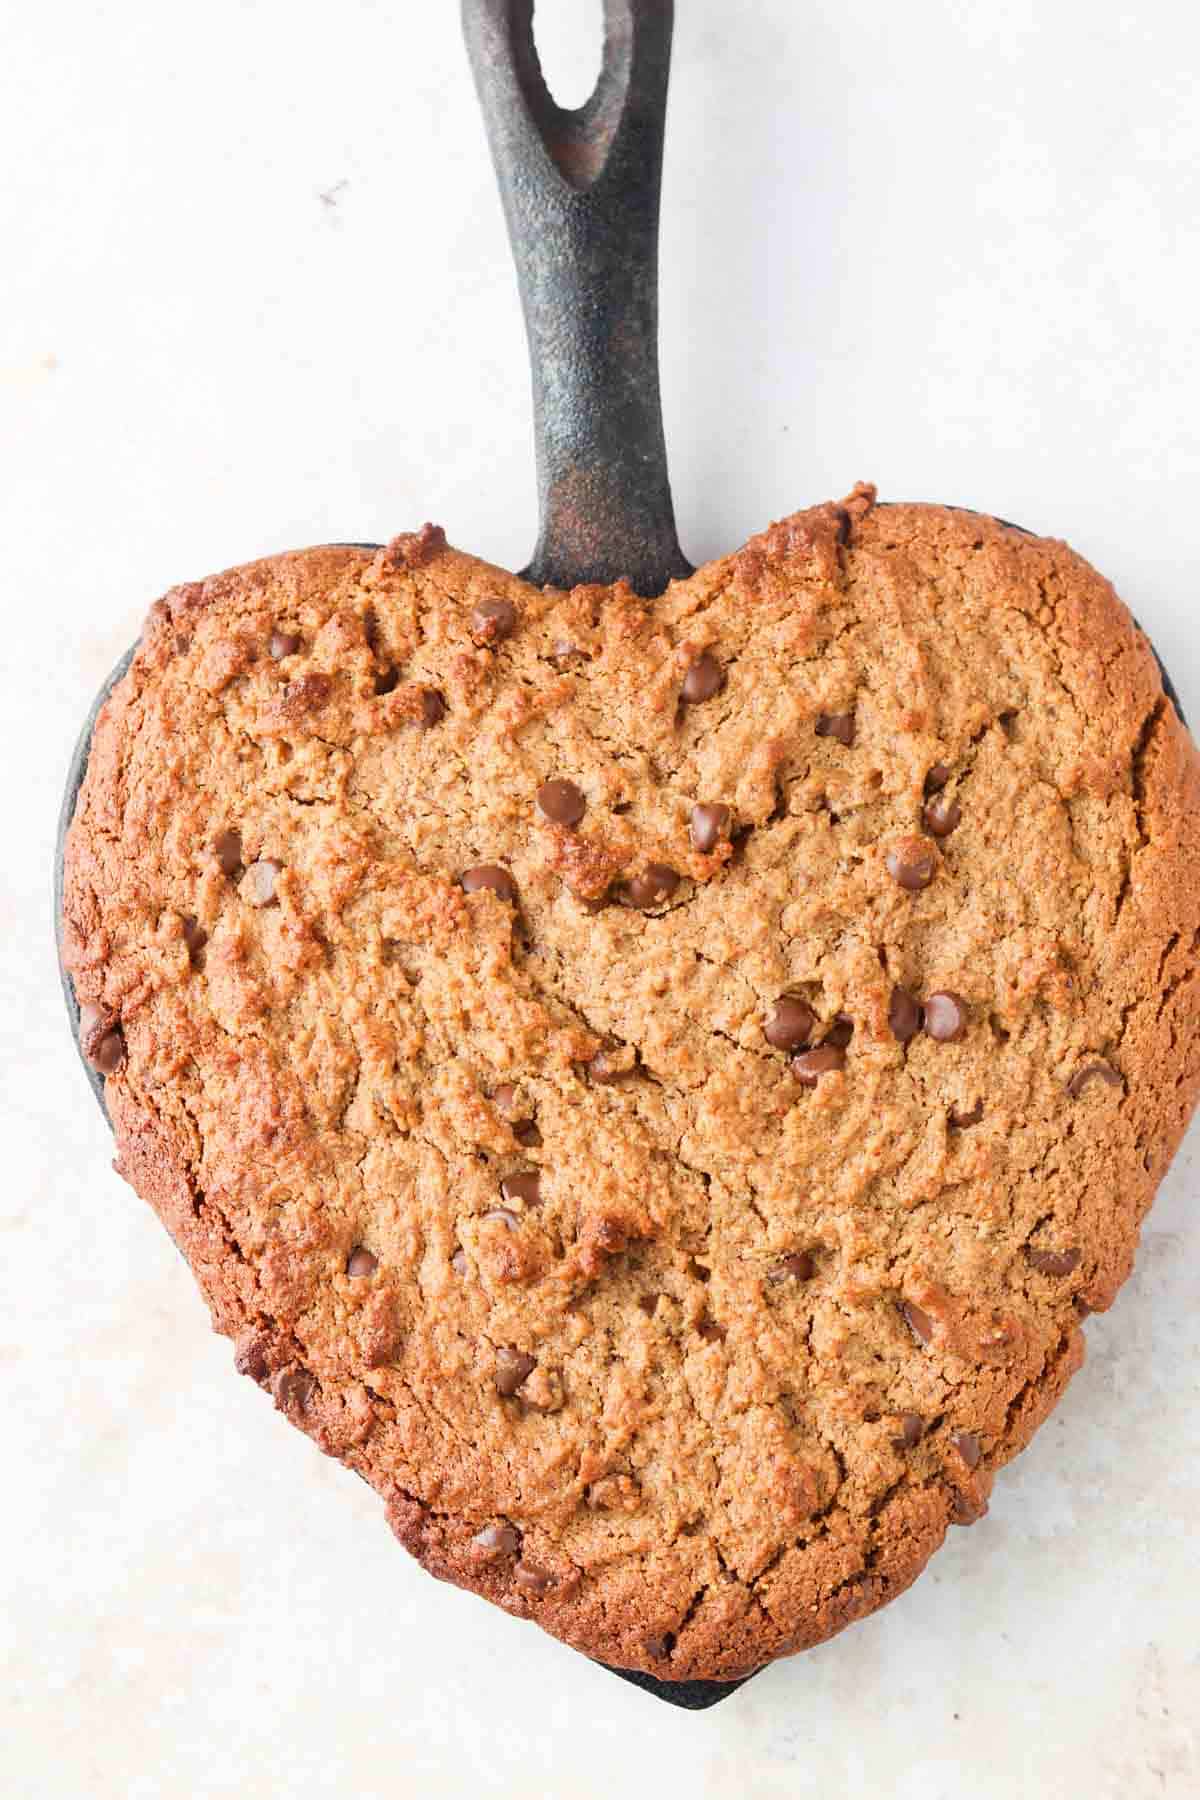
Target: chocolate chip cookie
{"points": [[652, 1086]]}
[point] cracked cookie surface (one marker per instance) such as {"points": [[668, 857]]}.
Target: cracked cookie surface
{"points": [[653, 1086]]}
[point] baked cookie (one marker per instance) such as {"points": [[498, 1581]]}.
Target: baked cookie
{"points": [[652, 1086]]}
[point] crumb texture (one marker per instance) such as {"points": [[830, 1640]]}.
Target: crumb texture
{"points": [[652, 1086]]}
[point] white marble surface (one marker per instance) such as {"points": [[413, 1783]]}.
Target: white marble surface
{"points": [[255, 294]]}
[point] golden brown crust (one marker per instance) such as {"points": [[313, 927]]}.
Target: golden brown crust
{"points": [[717, 1383]]}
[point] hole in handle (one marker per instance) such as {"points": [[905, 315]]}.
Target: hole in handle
{"points": [[568, 36], [578, 141]]}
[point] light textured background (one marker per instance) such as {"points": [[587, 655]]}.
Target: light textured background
{"points": [[255, 293]]}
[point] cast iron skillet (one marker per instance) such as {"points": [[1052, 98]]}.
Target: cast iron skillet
{"points": [[581, 199]]}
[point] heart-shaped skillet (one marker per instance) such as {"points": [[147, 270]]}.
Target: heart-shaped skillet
{"points": [[653, 1086]]}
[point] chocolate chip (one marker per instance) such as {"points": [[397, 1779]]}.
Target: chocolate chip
{"points": [[561, 802], [99, 1039], [385, 681], [658, 1649], [500, 1215], [790, 1025], [837, 725], [525, 1187], [227, 849], [564, 651], [941, 816], [809, 1066], [459, 1262], [194, 935], [968, 1447], [493, 620], [615, 1062], [521, 1125], [613, 1493], [798, 1267], [912, 1430], [498, 1540], [711, 1330], [512, 1366], [361, 1262], [413, 549], [966, 1510], [840, 1032], [293, 1389], [655, 884], [945, 1017], [107, 1052], [918, 1322], [284, 643], [1054, 1262], [1093, 1071], [904, 1015], [491, 876], [911, 863], [937, 778], [182, 644], [250, 1356], [705, 678], [260, 881], [709, 826], [433, 708], [533, 1579]]}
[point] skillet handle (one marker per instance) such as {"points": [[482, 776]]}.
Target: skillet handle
{"points": [[581, 200]]}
